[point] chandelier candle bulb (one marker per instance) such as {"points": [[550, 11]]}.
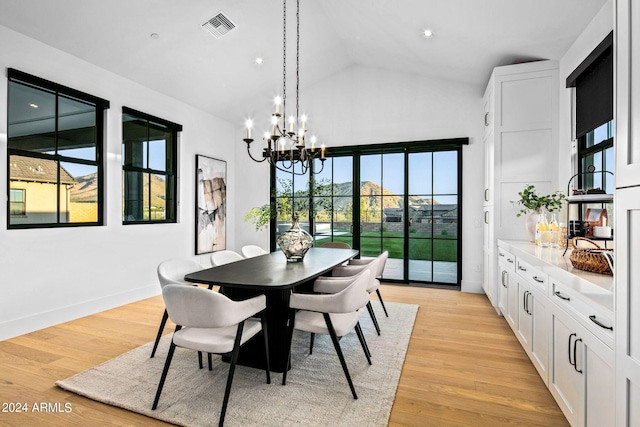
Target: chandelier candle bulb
{"points": [[322, 152], [292, 120], [277, 101], [313, 143], [249, 125]]}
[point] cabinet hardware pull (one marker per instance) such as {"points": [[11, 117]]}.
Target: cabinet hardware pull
{"points": [[538, 279], [594, 320], [569, 351], [486, 221], [503, 282], [500, 254], [526, 302], [521, 268], [510, 260], [486, 194], [559, 295], [528, 305], [486, 118], [575, 360]]}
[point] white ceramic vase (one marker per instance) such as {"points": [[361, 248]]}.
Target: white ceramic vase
{"points": [[532, 220]]}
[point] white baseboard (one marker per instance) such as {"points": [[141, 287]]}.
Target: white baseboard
{"points": [[24, 325]]}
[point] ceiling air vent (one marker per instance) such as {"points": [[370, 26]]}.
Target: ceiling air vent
{"points": [[219, 25]]}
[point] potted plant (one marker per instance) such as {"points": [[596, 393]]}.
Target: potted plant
{"points": [[532, 203], [284, 201]]}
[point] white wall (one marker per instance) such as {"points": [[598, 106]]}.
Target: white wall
{"points": [[48, 276], [366, 106], [594, 33]]}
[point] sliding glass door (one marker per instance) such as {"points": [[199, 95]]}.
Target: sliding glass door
{"points": [[401, 198]]}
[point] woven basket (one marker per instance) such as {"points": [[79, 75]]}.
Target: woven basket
{"points": [[596, 260]]}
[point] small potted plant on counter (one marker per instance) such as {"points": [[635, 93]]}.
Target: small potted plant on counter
{"points": [[533, 204]]}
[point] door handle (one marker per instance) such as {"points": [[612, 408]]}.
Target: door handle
{"points": [[486, 118], [521, 268], [537, 279], [486, 220], [525, 302], [559, 295], [486, 194], [575, 361], [569, 351], [529, 312], [503, 282]]}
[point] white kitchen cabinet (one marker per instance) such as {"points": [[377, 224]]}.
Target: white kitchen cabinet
{"points": [[533, 317], [521, 135], [627, 213], [581, 373], [508, 287]]}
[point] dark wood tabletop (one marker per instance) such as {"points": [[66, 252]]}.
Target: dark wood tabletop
{"points": [[272, 271]]}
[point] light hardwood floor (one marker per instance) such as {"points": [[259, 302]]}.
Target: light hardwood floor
{"points": [[464, 366]]}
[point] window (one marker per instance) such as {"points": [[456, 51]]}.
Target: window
{"points": [[408, 202], [149, 147], [55, 139], [593, 82], [16, 202]]}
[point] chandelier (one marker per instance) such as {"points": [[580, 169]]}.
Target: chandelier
{"points": [[287, 147]]}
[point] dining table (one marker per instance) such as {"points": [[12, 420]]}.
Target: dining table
{"points": [[272, 275]]}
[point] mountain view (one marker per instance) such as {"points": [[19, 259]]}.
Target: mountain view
{"points": [[86, 190], [374, 191]]}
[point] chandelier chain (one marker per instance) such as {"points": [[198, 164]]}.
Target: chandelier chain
{"points": [[297, 59], [284, 58]]}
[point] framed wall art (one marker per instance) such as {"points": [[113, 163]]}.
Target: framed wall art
{"points": [[211, 204]]}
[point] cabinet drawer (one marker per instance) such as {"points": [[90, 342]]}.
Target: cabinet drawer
{"points": [[595, 320], [507, 259], [533, 275]]}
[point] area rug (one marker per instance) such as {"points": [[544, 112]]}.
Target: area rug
{"points": [[316, 394]]}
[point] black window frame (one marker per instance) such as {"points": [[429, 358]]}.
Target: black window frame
{"points": [[170, 173], [356, 151], [59, 90]]}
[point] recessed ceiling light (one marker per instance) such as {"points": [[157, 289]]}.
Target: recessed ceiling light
{"points": [[155, 36], [427, 34], [259, 61], [32, 105]]}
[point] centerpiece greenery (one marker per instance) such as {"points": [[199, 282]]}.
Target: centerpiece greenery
{"points": [[285, 202], [531, 201]]}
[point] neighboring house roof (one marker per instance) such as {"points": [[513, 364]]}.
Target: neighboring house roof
{"points": [[37, 170]]}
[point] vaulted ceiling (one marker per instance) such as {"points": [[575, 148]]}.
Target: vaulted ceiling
{"points": [[221, 76]]}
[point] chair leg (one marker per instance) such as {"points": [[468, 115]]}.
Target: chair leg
{"points": [[163, 322], [200, 360], [232, 368], [373, 317], [336, 344], [167, 363], [382, 302], [210, 362], [292, 318], [263, 321], [311, 342], [363, 342]]}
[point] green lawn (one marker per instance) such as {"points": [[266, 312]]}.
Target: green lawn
{"points": [[420, 245]]}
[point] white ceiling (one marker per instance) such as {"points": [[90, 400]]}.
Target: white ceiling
{"points": [[220, 76]]}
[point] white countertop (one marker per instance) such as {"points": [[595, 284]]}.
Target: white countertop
{"points": [[596, 287]]}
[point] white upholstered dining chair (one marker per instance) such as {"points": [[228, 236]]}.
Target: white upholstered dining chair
{"points": [[250, 251], [210, 322], [225, 257], [382, 262], [351, 269], [334, 312], [172, 271]]}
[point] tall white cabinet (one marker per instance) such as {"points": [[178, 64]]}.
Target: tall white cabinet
{"points": [[627, 213], [521, 147]]}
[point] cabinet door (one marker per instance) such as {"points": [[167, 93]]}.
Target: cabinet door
{"points": [[489, 169], [503, 290], [566, 382], [512, 313], [627, 323], [599, 399], [525, 316], [539, 306], [627, 113]]}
